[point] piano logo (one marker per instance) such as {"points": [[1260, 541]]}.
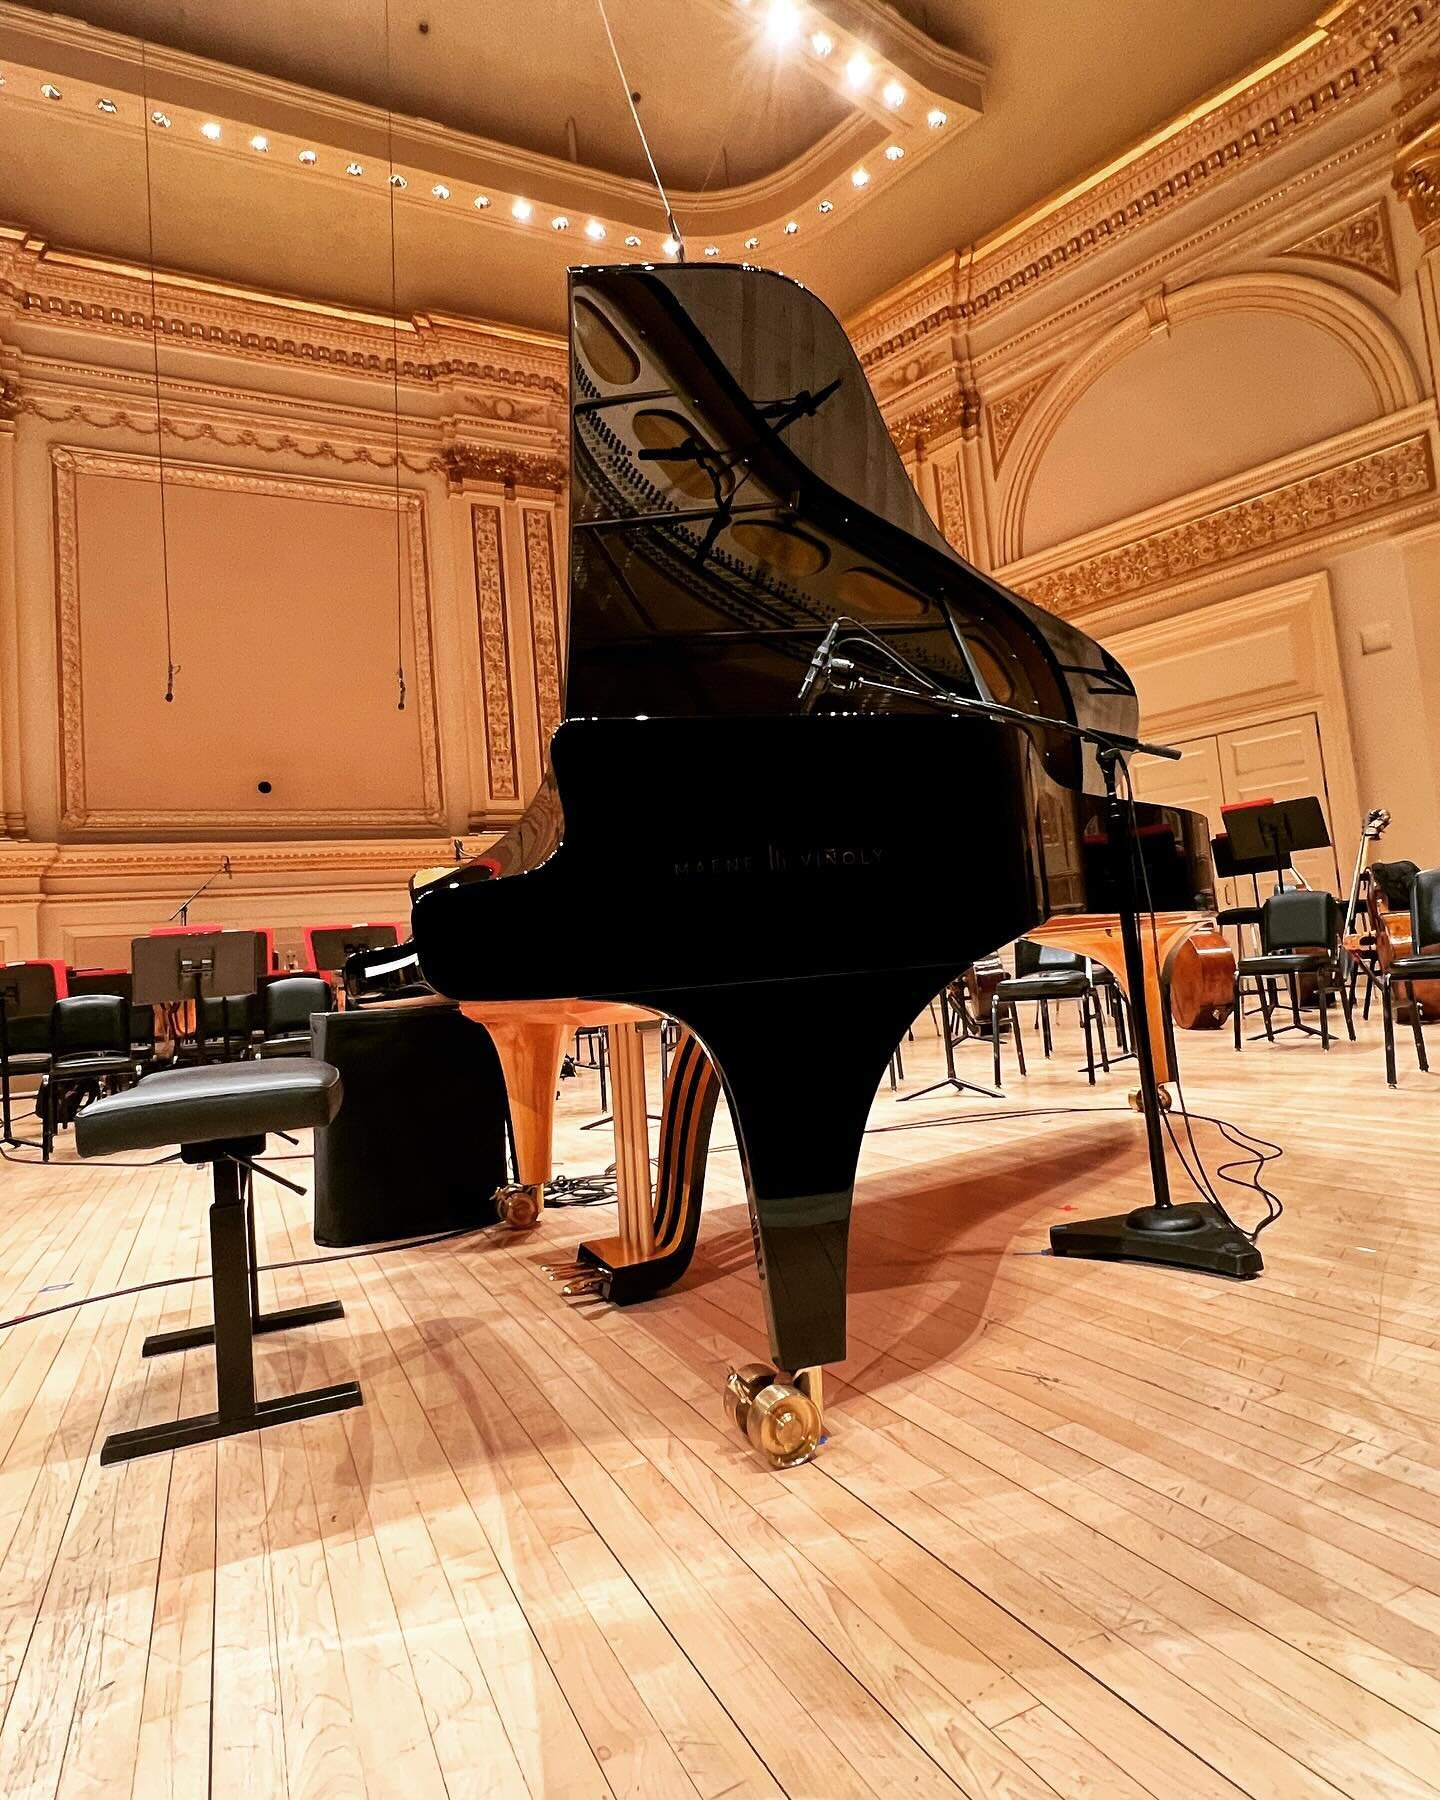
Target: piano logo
{"points": [[782, 859]]}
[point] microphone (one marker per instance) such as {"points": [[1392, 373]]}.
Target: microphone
{"points": [[225, 868], [819, 664]]}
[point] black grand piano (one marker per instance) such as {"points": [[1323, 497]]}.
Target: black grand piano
{"points": [[755, 818]]}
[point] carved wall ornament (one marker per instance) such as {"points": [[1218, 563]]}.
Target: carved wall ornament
{"points": [[10, 401], [1417, 182], [545, 626], [76, 814], [1004, 413], [952, 507], [1362, 488], [515, 468], [1360, 242], [957, 410], [495, 676]]}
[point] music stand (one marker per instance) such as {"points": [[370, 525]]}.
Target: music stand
{"points": [[197, 966], [1268, 836], [950, 1079], [332, 945]]}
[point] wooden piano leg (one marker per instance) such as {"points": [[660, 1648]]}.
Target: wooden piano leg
{"points": [[800, 1122], [530, 1056]]}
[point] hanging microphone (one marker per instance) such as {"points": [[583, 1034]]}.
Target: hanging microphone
{"points": [[819, 664]]}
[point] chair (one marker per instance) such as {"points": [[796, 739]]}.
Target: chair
{"points": [[1044, 972], [228, 1023], [1299, 935], [1421, 965], [287, 1006], [121, 982], [89, 1056], [220, 1115], [28, 992]]}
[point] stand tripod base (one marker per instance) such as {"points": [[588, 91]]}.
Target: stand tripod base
{"points": [[1183, 1237]]}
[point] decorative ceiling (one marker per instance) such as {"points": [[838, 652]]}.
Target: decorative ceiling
{"points": [[458, 154]]}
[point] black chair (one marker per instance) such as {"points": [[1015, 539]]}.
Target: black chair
{"points": [[1299, 935], [121, 982], [28, 992], [220, 1114], [229, 1025], [286, 1008], [1421, 965], [89, 1056], [1043, 973]]}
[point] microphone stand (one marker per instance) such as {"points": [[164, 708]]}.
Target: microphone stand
{"points": [[1197, 1235], [182, 912]]}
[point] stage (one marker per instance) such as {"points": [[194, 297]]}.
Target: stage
{"points": [[1079, 1529]]}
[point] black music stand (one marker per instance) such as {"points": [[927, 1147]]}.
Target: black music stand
{"points": [[1268, 836], [197, 966], [950, 1079], [332, 949]]}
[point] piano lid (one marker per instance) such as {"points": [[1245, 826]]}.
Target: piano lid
{"points": [[734, 491]]}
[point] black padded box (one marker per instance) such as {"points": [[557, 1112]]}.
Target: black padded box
{"points": [[419, 1144]]}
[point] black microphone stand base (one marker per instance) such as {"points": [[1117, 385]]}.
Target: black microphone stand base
{"points": [[1193, 1236]]}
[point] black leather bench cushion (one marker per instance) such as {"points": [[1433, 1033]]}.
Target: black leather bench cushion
{"points": [[208, 1102]]}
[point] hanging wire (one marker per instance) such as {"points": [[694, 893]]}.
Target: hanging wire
{"points": [[394, 371], [644, 141], [171, 667]]}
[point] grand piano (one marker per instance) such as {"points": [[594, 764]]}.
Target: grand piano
{"points": [[756, 819]]}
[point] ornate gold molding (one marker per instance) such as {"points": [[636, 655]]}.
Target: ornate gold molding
{"points": [[1362, 488], [1003, 416], [495, 676], [546, 648], [463, 463], [1362, 242], [951, 506], [76, 814], [957, 410]]}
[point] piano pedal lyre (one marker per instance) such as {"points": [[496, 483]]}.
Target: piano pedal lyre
{"points": [[781, 1417], [564, 1271], [518, 1205]]}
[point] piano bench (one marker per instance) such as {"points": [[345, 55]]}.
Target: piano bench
{"points": [[219, 1114]]}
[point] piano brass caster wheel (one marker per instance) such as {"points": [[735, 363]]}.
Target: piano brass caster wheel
{"points": [[518, 1206], [781, 1421], [1162, 1094]]}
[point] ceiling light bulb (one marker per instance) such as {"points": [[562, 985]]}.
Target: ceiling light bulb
{"points": [[782, 23], [160, 120], [594, 229], [521, 209], [752, 243], [482, 201], [210, 130], [858, 71], [308, 158], [860, 177], [632, 242], [827, 206], [893, 95], [822, 43], [893, 153], [354, 168], [106, 106], [559, 223], [397, 180], [791, 227], [260, 142], [671, 247], [712, 249], [935, 118], [51, 92], [440, 191]]}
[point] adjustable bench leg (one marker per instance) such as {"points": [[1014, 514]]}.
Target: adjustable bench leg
{"points": [[196, 1337], [236, 1409]]}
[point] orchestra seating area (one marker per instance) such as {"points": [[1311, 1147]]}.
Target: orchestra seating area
{"points": [[719, 900]]}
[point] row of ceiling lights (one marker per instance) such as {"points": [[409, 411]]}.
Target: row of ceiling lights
{"points": [[521, 209], [784, 23]]}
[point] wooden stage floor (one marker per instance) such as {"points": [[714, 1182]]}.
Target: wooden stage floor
{"points": [[1080, 1530]]}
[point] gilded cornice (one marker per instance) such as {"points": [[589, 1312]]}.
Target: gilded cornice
{"points": [[57, 867], [112, 298], [465, 463], [1360, 489], [956, 410], [1356, 50]]}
